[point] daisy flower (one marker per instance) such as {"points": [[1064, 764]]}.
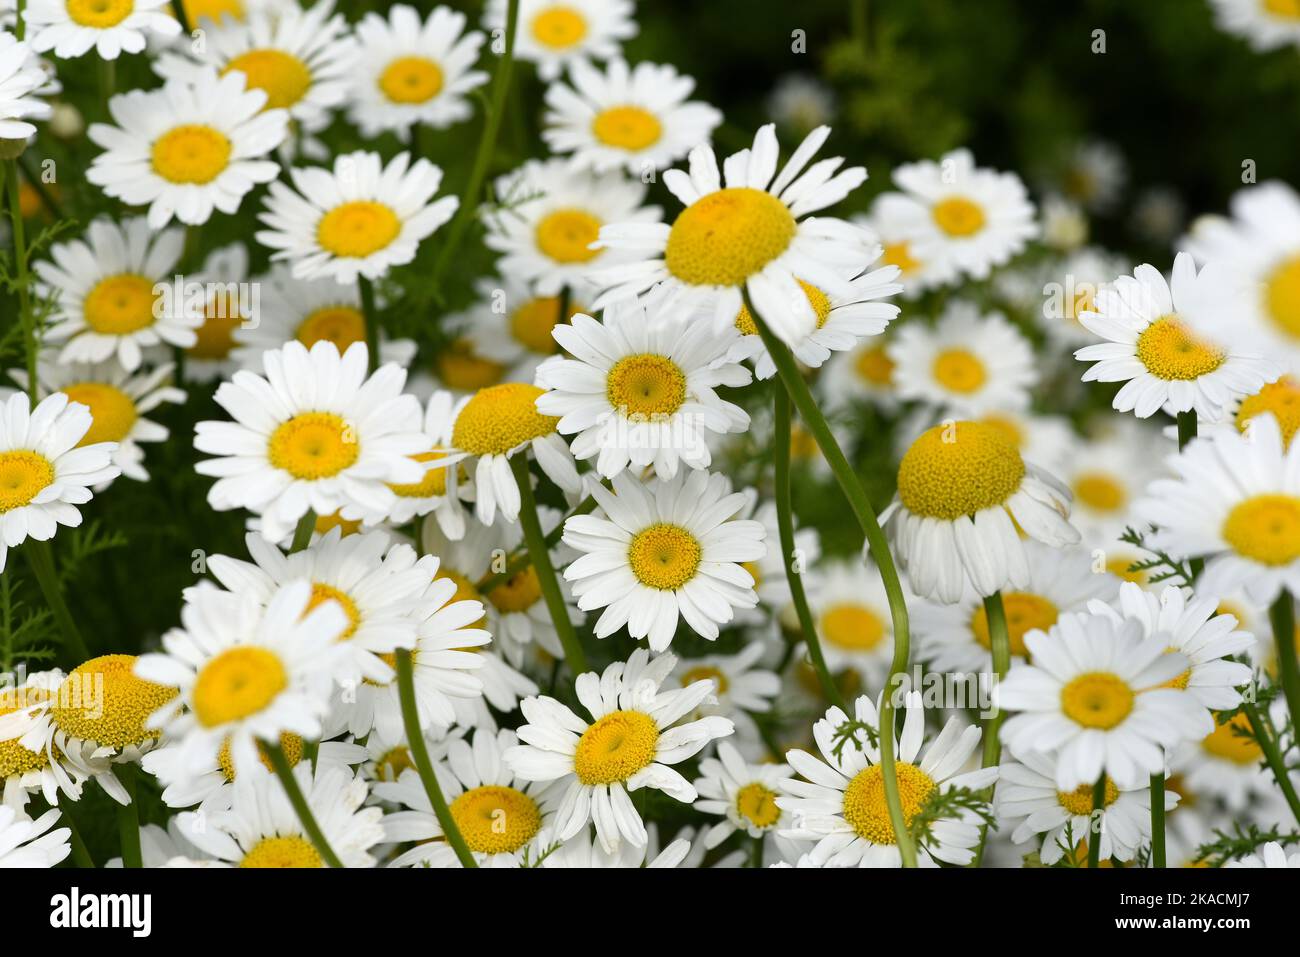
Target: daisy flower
{"points": [[890, 225], [770, 581], [663, 551], [1264, 24], [1100, 695], [851, 613], [1109, 473], [864, 372], [413, 72], [755, 232], [966, 502], [510, 326], [1094, 175], [110, 290], [585, 853], [1281, 397], [438, 491], [632, 738], [968, 363], [552, 216], [1272, 855], [1067, 289], [27, 843], [316, 434], [21, 80], [556, 33], [634, 117], [113, 27], [25, 770], [841, 803], [1155, 347], [742, 687], [744, 795], [1228, 764], [44, 472], [641, 389], [359, 220]]}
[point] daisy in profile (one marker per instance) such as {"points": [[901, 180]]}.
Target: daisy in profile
{"points": [[851, 613], [1235, 501], [966, 503], [413, 72], [1109, 472], [556, 33], [44, 472], [840, 803], [634, 117], [497, 814], [361, 219], [890, 226], [71, 28], [974, 218], [744, 795], [109, 290], [21, 81], [664, 551], [967, 364], [316, 434], [1264, 24], [1100, 695], [30, 843], [511, 326], [1155, 347], [551, 216], [754, 232], [630, 742], [641, 389]]}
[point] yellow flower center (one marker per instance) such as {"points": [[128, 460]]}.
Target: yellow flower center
{"points": [[284, 77], [566, 234], [1173, 352], [291, 851], [102, 700], [1265, 528], [519, 592], [495, 819], [214, 10], [358, 229], [874, 367], [1079, 801], [390, 765], [112, 411], [1025, 613], [757, 805], [900, 254], [645, 386], [532, 323], [852, 627], [14, 758], [959, 469], [1282, 398], [627, 127], [803, 444], [819, 301], [959, 370], [500, 418], [1008, 427], [1100, 492], [290, 744], [1122, 567], [1232, 742], [1178, 682], [99, 14], [349, 526], [1282, 292], [120, 305], [1097, 699], [313, 445], [460, 369], [616, 747], [664, 556], [321, 593], [864, 800], [709, 673], [22, 476], [465, 590], [216, 337], [236, 684], [341, 325], [192, 153], [433, 484], [727, 236], [559, 27], [411, 79], [958, 216]]}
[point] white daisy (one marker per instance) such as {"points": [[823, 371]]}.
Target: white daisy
{"points": [[28, 770], [27, 843], [1095, 174], [113, 27], [439, 490], [510, 326], [1228, 764], [863, 373], [1111, 471], [21, 80], [1068, 288], [742, 687], [585, 853], [890, 225], [770, 581], [1264, 24], [801, 102], [851, 614], [556, 33], [744, 795], [1272, 855]]}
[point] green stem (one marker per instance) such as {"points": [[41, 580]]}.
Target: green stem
{"points": [[20, 268], [80, 854], [107, 82], [41, 559], [20, 25], [785, 528], [280, 764], [1187, 432], [420, 754], [1282, 614], [518, 561], [303, 531], [540, 556], [756, 852], [866, 516], [1157, 820], [487, 144], [564, 305], [182, 17], [1094, 825], [128, 819], [1273, 757], [367, 289], [1000, 644]]}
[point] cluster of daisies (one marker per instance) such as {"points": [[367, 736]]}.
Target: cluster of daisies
{"points": [[496, 589]]}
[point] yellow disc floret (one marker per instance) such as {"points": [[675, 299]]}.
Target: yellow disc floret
{"points": [[358, 229], [495, 819], [23, 474], [461, 369], [532, 323], [102, 700], [1173, 352], [313, 445], [1100, 492], [284, 77], [1233, 742], [874, 367], [959, 370], [501, 418], [616, 747], [852, 627], [864, 800], [411, 79], [321, 593], [433, 483], [566, 235], [1080, 800], [1097, 699], [820, 302], [290, 851], [559, 27], [627, 127], [958, 216], [14, 758], [1282, 296], [959, 469], [757, 805], [1265, 528], [341, 325], [645, 386], [112, 411], [192, 153], [727, 236], [1282, 398], [290, 744], [237, 683], [1025, 612], [519, 592], [99, 14], [664, 556], [119, 305], [709, 673]]}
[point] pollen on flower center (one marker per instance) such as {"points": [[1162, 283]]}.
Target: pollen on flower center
{"points": [[1025, 612], [727, 236], [1100, 492], [864, 800], [852, 627], [501, 418], [819, 301], [958, 216], [1282, 398], [709, 673], [292, 851], [1173, 352], [358, 229], [532, 323], [237, 683], [1265, 528], [14, 758], [99, 14], [321, 593], [313, 445], [645, 386], [874, 366], [112, 411], [102, 700], [291, 744], [284, 77], [959, 370], [519, 592], [566, 234], [757, 805], [23, 474], [459, 368], [627, 127], [434, 481], [1097, 699], [496, 820], [214, 10], [1233, 742], [616, 747], [664, 556], [559, 27], [900, 254], [959, 469], [119, 305], [341, 325], [216, 337], [1079, 801], [411, 79], [191, 154]]}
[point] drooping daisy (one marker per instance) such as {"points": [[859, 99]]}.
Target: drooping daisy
{"points": [[413, 72], [113, 27], [111, 293], [551, 216], [510, 326], [1100, 695], [637, 118], [27, 843], [44, 473], [754, 232], [851, 613], [1264, 24], [641, 389], [967, 364], [663, 551], [629, 744], [556, 33], [21, 78], [1111, 471], [965, 498], [841, 804], [361, 219], [1155, 346], [316, 434], [745, 795]]}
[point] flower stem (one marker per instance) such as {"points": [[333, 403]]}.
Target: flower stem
{"points": [[420, 754], [785, 527], [20, 268], [520, 560], [367, 290], [280, 764], [128, 819], [1158, 820], [41, 559], [182, 17], [303, 531], [1094, 824], [80, 854], [540, 556], [1273, 757], [1282, 615], [866, 516], [1000, 644]]}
